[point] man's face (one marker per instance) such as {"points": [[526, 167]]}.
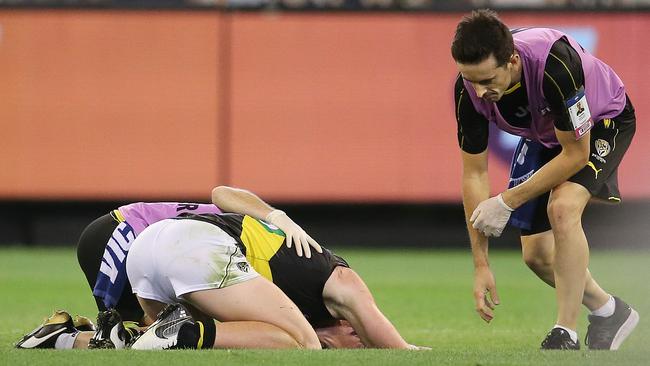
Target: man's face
{"points": [[490, 81], [339, 335]]}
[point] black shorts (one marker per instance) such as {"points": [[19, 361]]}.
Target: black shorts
{"points": [[303, 279], [609, 140], [90, 250]]}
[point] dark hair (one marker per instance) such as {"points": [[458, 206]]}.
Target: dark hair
{"points": [[479, 35]]}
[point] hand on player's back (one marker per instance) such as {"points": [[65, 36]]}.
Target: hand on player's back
{"points": [[294, 233]]}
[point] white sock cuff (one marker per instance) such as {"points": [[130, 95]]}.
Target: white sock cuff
{"points": [[607, 309], [65, 340]]}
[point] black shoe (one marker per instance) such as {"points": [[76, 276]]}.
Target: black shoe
{"points": [[173, 329], [111, 331], [608, 333], [46, 334], [559, 338]]}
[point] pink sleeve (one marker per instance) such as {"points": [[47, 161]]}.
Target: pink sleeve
{"points": [[141, 214]]}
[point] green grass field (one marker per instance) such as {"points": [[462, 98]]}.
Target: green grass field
{"points": [[427, 295]]}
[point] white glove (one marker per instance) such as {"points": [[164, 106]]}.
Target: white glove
{"points": [[491, 216], [294, 233]]}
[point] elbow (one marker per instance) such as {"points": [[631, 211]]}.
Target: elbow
{"points": [[581, 161], [219, 192], [584, 158], [576, 160]]}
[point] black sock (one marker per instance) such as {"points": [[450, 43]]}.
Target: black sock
{"points": [[189, 336], [209, 333]]}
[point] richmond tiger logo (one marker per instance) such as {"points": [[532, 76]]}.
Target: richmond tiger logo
{"points": [[602, 147]]}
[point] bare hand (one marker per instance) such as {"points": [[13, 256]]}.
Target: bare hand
{"points": [[485, 293]]}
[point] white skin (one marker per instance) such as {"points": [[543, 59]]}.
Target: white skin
{"points": [[233, 335], [273, 321], [339, 335], [361, 324], [347, 297], [244, 202], [566, 242]]}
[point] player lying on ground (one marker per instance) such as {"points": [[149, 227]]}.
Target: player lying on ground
{"points": [[324, 288]]}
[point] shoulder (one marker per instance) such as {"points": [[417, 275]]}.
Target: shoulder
{"points": [[563, 60], [461, 96], [459, 86], [563, 72]]}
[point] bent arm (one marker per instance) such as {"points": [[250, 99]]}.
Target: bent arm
{"points": [[573, 157], [244, 202], [240, 201], [347, 297]]}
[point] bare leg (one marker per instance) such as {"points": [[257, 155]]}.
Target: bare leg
{"points": [[253, 314], [244, 334], [250, 334], [269, 318], [565, 208], [538, 251], [82, 340], [151, 308]]}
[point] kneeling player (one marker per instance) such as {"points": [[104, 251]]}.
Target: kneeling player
{"points": [[202, 265], [324, 288]]}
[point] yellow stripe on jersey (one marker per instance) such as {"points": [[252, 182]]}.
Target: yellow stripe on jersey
{"points": [[607, 122], [513, 88], [460, 99], [117, 215], [567, 70], [262, 241], [554, 83]]}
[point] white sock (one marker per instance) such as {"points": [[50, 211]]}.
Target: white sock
{"points": [[607, 309], [572, 333], [65, 340]]}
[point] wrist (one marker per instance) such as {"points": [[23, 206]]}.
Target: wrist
{"points": [[271, 216], [480, 264], [506, 204]]}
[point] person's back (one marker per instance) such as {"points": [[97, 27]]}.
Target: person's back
{"points": [[301, 279], [324, 287]]}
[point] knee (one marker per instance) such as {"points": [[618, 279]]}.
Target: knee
{"points": [[537, 251], [308, 340], [563, 213], [537, 261]]}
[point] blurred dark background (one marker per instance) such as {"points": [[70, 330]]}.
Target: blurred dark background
{"points": [[338, 111], [338, 225]]}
